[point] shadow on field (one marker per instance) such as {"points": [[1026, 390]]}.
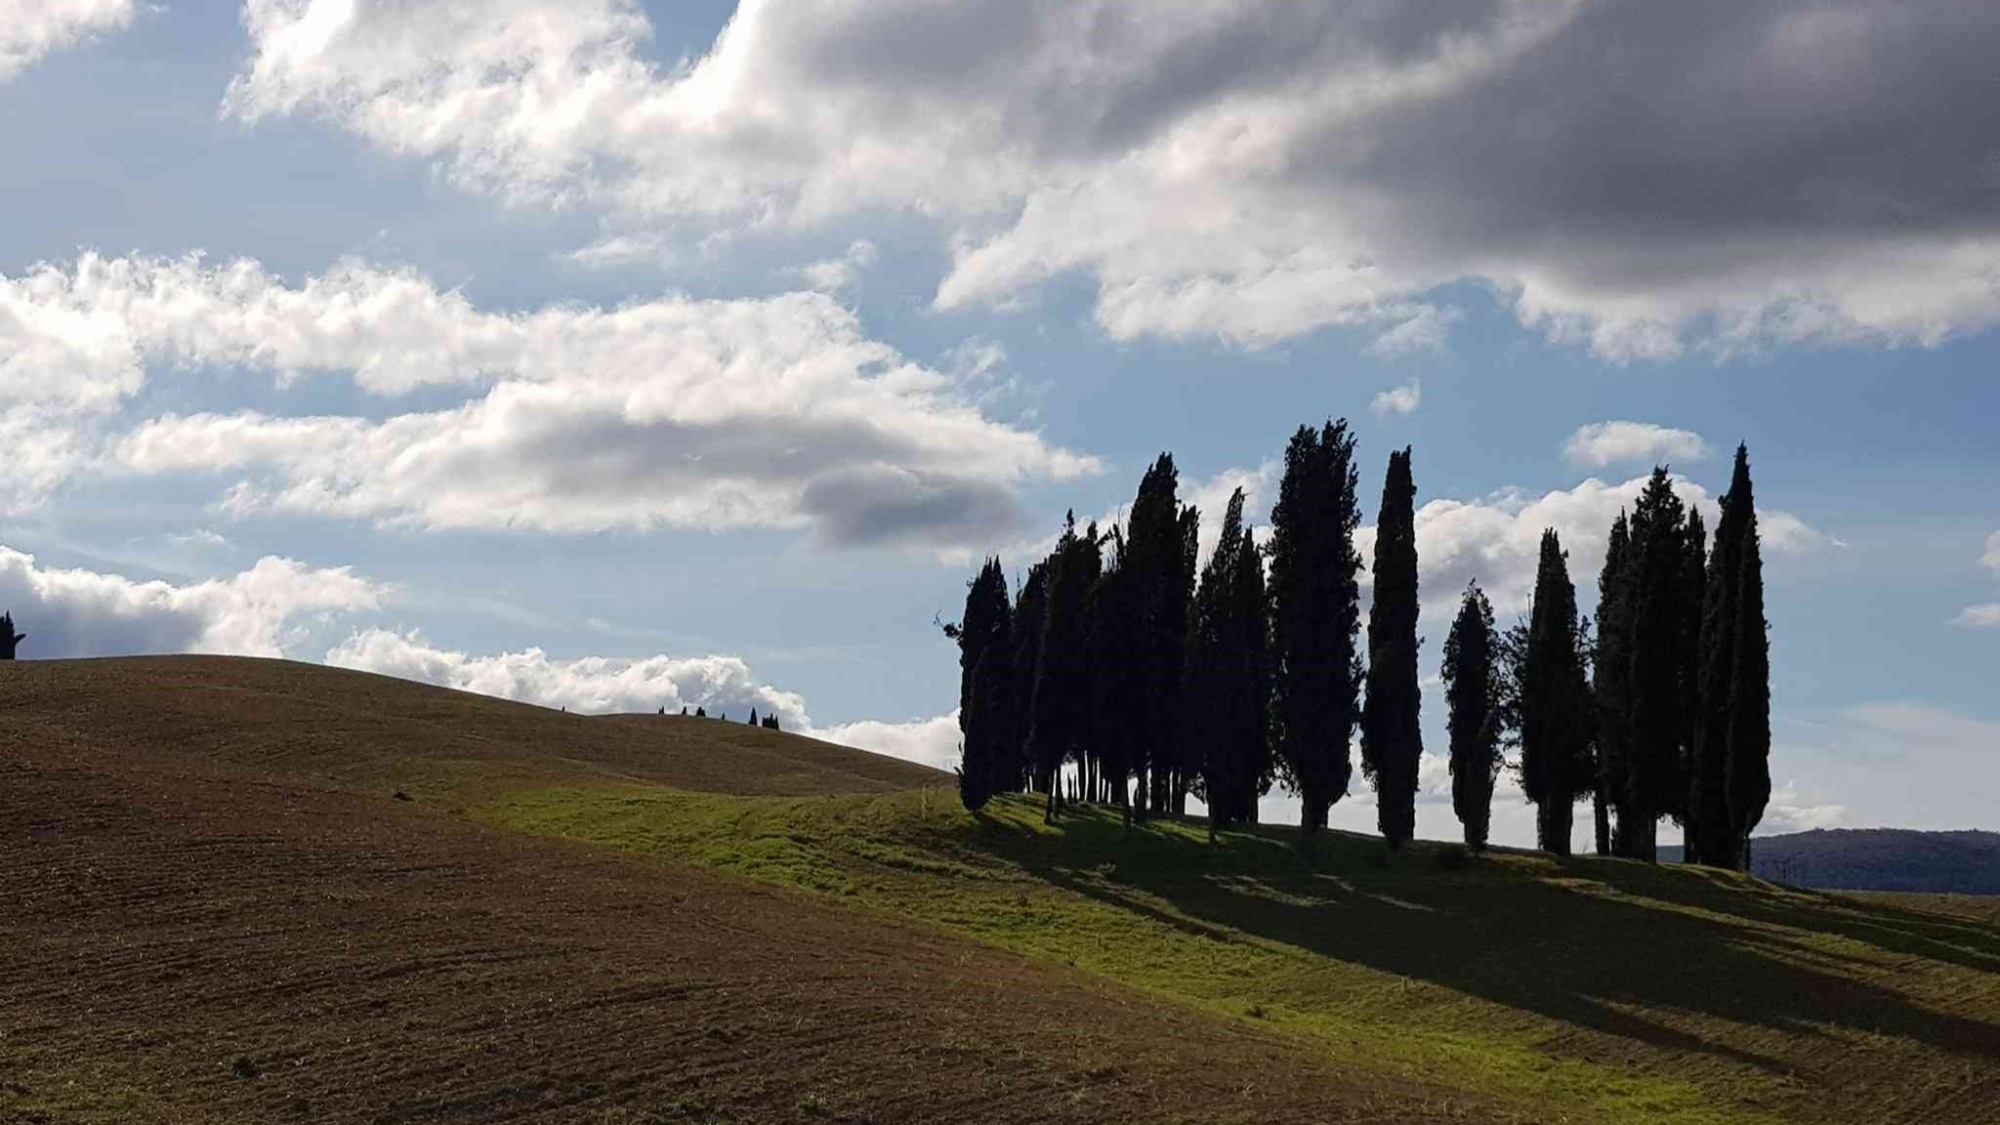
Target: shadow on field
{"points": [[1590, 943]]}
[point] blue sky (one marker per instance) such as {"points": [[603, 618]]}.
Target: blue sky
{"points": [[596, 355]]}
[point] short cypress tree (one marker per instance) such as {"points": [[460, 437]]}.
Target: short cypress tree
{"points": [[1316, 618], [1472, 691], [10, 641], [1392, 742]]}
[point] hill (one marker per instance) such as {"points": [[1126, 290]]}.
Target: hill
{"points": [[1878, 859], [257, 891]]}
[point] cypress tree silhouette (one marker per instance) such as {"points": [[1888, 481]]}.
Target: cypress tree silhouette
{"points": [[1030, 618], [1392, 742], [1655, 647], [985, 654], [752, 720], [10, 641], [1159, 560], [1315, 606], [1114, 636], [1061, 713], [1472, 691], [1228, 672], [700, 713], [1611, 679], [1737, 671], [1553, 702]]}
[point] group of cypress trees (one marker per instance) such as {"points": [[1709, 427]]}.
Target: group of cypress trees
{"points": [[1156, 682]]}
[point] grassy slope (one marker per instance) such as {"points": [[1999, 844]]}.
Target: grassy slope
{"points": [[1581, 991], [1601, 990]]}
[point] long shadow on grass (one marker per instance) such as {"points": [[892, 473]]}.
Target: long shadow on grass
{"points": [[1576, 948]]}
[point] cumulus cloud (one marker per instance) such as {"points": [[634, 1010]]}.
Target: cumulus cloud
{"points": [[256, 613], [930, 742], [1985, 615], [1248, 169], [1398, 400], [777, 412], [1602, 444], [837, 275], [1854, 767], [1982, 616], [30, 29], [591, 684]]}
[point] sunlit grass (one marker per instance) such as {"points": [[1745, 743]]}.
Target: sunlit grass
{"points": [[1577, 989]]}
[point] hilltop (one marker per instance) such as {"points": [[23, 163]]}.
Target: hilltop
{"points": [[261, 891]]}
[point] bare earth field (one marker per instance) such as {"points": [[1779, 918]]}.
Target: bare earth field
{"points": [[236, 890], [216, 910]]}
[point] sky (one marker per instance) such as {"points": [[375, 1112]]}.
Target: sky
{"points": [[615, 356]]}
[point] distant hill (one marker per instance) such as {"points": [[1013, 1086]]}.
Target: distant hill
{"points": [[1878, 859]]}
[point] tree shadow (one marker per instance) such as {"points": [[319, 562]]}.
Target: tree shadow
{"points": [[1588, 944]]}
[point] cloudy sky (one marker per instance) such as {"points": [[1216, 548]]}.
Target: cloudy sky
{"points": [[614, 355]]}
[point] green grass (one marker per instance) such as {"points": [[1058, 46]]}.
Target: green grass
{"points": [[1600, 990]]}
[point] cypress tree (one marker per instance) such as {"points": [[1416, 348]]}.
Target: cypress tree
{"points": [[1060, 719], [1159, 558], [1747, 780], [1229, 713], [1555, 737], [10, 641], [985, 653], [1315, 611], [1114, 621], [1030, 618], [1472, 692], [1392, 743], [1655, 643], [1611, 675]]}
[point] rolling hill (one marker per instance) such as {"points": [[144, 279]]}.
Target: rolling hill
{"points": [[1878, 859], [245, 890]]}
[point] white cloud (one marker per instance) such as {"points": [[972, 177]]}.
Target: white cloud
{"points": [[1991, 560], [1398, 400], [930, 742], [1984, 616], [1245, 169], [1861, 766], [1602, 444], [256, 613], [1425, 330], [592, 684], [837, 275], [30, 29], [777, 412]]}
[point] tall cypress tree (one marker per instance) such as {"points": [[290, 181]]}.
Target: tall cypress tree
{"points": [[1392, 743], [985, 654], [1472, 691], [1655, 648], [1030, 620], [1554, 724], [1061, 713], [1316, 617], [1747, 770], [1229, 714], [1159, 556], [1611, 676], [1114, 637]]}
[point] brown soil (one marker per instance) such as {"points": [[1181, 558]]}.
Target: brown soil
{"points": [[214, 907]]}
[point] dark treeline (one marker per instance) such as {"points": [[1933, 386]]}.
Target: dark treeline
{"points": [[1151, 676]]}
